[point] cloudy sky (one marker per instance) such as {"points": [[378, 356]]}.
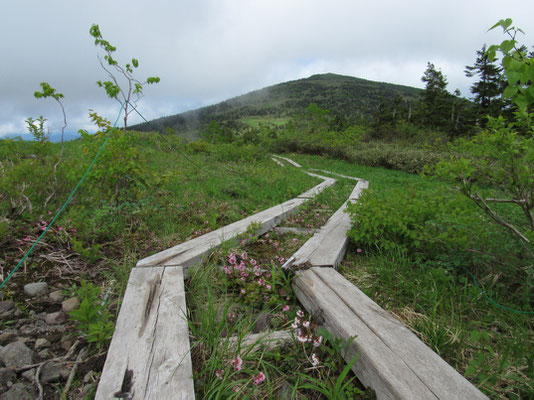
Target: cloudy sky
{"points": [[206, 51]]}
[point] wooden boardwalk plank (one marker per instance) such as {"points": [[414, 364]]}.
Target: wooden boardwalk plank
{"points": [[327, 247], [149, 356], [289, 160], [277, 161], [191, 252], [393, 361], [317, 189]]}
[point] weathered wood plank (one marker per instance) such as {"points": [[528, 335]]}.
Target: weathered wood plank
{"points": [[149, 355], [268, 340], [289, 160], [191, 252], [277, 161], [358, 189], [314, 191], [393, 361], [327, 247]]}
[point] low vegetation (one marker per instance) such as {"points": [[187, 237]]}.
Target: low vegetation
{"points": [[442, 239]]}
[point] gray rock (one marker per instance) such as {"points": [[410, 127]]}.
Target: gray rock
{"points": [[70, 304], [44, 354], [263, 322], [7, 337], [56, 296], [55, 318], [35, 289], [41, 343], [19, 391], [16, 354], [52, 372], [6, 306], [7, 375], [66, 343], [29, 375]]}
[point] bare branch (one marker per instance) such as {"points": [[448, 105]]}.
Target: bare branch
{"points": [[479, 201]]}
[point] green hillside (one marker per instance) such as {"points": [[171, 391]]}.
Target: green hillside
{"points": [[352, 98]]}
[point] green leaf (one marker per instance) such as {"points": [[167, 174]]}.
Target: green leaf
{"points": [[509, 92], [135, 63], [507, 45], [521, 101], [475, 336]]}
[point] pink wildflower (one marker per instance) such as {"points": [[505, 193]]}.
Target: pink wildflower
{"points": [[269, 287], [285, 308], [231, 259], [227, 270], [219, 373], [267, 235], [315, 360], [243, 279], [236, 389], [300, 313], [317, 341], [295, 240], [253, 262], [358, 250], [237, 363], [306, 324], [302, 338], [244, 255], [49, 212], [259, 378], [73, 230], [261, 282], [60, 228], [243, 291]]}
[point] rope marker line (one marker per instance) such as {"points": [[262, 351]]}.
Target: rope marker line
{"points": [[66, 202]]}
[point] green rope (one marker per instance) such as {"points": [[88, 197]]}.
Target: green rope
{"points": [[66, 202], [477, 284]]}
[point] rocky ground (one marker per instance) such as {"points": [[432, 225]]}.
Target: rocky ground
{"points": [[42, 355]]}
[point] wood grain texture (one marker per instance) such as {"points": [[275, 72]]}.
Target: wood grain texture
{"points": [[268, 340], [149, 355], [392, 360]]}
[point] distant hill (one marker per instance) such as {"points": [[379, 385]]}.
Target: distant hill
{"points": [[352, 98]]}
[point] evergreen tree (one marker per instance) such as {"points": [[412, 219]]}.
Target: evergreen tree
{"points": [[436, 100], [488, 90]]}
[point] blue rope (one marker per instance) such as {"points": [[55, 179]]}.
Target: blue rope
{"points": [[66, 202]]}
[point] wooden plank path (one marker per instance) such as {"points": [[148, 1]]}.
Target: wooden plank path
{"points": [[149, 354], [328, 246], [392, 360], [289, 160], [191, 252]]}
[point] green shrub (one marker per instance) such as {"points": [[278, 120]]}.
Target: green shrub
{"points": [[200, 146], [416, 222]]}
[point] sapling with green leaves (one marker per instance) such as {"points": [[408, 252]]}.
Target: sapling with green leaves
{"points": [[501, 158], [129, 95], [46, 92]]}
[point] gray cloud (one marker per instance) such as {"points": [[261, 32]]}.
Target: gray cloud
{"points": [[207, 51]]}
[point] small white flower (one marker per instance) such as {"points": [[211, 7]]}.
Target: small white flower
{"points": [[315, 360]]}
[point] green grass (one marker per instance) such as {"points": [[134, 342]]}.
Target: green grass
{"points": [[431, 291]]}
